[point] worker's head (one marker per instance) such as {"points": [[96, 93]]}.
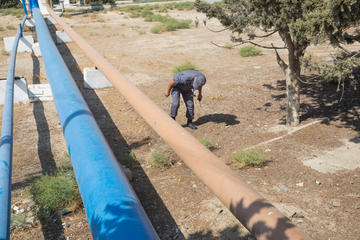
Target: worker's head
{"points": [[199, 81]]}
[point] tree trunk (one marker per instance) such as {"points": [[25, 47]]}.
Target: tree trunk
{"points": [[292, 75], [293, 98]]}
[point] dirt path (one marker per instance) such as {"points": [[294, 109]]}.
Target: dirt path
{"points": [[242, 106]]}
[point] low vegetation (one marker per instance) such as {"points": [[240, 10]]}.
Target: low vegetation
{"points": [[5, 53], [1, 29], [248, 51], [129, 160], [187, 65], [250, 157], [52, 193], [207, 143], [10, 27], [160, 159], [11, 11]]}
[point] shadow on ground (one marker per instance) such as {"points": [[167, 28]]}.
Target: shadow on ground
{"points": [[51, 227], [228, 119], [322, 100], [159, 215]]}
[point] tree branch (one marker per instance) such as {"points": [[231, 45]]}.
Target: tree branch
{"points": [[264, 36], [281, 63], [217, 30], [224, 46], [262, 46]]}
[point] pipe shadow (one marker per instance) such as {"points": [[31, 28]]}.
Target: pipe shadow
{"points": [[155, 208], [51, 227]]}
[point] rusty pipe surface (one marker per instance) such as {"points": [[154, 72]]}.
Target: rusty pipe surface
{"points": [[259, 216]]}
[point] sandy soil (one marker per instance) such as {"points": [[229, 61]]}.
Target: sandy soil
{"points": [[243, 105]]}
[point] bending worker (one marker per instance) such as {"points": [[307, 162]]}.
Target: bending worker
{"points": [[185, 82]]}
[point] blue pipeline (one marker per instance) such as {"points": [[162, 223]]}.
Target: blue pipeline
{"points": [[24, 6], [7, 143], [111, 206]]}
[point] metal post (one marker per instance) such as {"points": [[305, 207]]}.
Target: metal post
{"points": [[7, 144], [111, 206], [254, 212]]}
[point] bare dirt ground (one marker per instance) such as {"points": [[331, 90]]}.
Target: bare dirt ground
{"points": [[243, 105]]}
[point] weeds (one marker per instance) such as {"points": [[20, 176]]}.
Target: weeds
{"points": [[187, 65], [5, 53], [129, 160], [160, 160], [100, 20], [52, 193], [228, 46], [248, 51], [157, 28], [1, 29], [207, 143], [10, 27], [250, 157]]}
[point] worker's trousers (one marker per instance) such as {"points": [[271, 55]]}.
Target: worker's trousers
{"points": [[188, 98]]}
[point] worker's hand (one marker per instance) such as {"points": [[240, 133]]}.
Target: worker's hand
{"points": [[199, 97], [166, 93]]}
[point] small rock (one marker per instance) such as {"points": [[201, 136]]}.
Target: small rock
{"points": [[300, 184], [336, 202], [356, 206], [317, 182], [64, 224], [283, 188], [297, 215], [128, 173], [268, 150], [16, 208], [194, 185]]}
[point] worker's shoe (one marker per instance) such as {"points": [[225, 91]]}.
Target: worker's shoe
{"points": [[173, 118], [190, 124]]}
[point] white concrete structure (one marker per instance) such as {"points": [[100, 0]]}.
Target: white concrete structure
{"points": [[40, 92], [66, 2], [36, 49], [20, 91], [62, 37], [42, 6], [25, 44], [30, 22], [50, 21], [93, 78]]}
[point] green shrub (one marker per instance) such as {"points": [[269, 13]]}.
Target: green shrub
{"points": [[157, 28], [228, 46], [5, 53], [129, 160], [207, 143], [52, 193], [160, 160], [187, 65], [250, 157], [249, 51], [10, 27], [55, 192], [1, 29]]}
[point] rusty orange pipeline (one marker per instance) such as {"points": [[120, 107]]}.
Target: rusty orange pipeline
{"points": [[254, 212]]}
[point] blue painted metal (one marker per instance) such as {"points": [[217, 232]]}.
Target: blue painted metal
{"points": [[24, 6], [112, 208], [7, 143]]}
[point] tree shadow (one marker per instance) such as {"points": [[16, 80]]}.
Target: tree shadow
{"points": [[228, 233], [156, 210], [51, 227], [323, 100], [228, 119]]}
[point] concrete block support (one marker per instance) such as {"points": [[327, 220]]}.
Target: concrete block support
{"points": [[20, 91], [36, 49], [25, 43], [40, 92], [93, 78], [62, 37]]}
